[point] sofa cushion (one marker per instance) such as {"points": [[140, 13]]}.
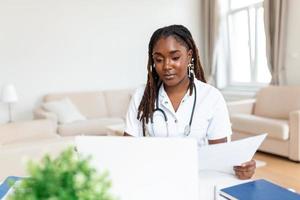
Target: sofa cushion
{"points": [[15, 156], [88, 127], [33, 141], [277, 101], [90, 104], [277, 129], [117, 102], [27, 130], [65, 110]]}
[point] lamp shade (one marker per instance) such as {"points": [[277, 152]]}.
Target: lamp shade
{"points": [[9, 94]]}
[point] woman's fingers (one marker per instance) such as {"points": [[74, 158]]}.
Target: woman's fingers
{"points": [[246, 170]]}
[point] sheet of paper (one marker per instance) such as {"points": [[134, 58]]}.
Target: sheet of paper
{"points": [[222, 157]]}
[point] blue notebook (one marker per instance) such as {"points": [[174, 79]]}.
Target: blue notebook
{"points": [[258, 190], [6, 184]]}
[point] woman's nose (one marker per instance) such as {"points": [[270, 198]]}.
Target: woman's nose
{"points": [[167, 64]]}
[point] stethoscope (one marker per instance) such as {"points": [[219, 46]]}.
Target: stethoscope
{"points": [[187, 129]]}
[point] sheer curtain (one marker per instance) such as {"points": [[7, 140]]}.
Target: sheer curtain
{"points": [[210, 20], [275, 28]]}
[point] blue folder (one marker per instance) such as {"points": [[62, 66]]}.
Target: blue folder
{"points": [[6, 185], [258, 190]]}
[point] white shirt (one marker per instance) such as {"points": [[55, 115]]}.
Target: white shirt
{"points": [[210, 120]]}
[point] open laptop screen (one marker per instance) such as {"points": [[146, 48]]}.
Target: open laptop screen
{"points": [[145, 168]]}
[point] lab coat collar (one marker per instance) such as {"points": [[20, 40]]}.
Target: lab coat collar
{"points": [[163, 96]]}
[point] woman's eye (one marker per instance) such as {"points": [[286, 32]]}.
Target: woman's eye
{"points": [[176, 58], [157, 60]]}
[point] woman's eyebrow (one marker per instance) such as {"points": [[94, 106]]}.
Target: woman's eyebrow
{"points": [[171, 52], [156, 54]]}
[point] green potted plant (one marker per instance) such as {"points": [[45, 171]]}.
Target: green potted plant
{"points": [[67, 177]]}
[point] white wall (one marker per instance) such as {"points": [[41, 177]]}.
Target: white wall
{"points": [[74, 45], [292, 63]]}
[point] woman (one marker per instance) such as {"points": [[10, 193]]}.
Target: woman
{"points": [[176, 101]]}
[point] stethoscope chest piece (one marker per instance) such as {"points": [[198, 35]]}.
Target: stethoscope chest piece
{"points": [[187, 130]]}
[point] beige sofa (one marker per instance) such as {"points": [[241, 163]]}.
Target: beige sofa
{"points": [[103, 110], [276, 111], [28, 140]]}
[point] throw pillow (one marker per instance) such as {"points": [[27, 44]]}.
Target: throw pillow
{"points": [[65, 110]]}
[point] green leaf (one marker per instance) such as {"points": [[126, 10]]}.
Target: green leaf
{"points": [[67, 177]]}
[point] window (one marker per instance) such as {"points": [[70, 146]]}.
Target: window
{"points": [[246, 44]]}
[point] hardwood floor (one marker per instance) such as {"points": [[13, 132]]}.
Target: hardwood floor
{"points": [[279, 170]]}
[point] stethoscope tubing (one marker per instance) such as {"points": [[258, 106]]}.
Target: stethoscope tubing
{"points": [[157, 109]]}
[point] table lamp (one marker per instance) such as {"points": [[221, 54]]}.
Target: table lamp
{"points": [[9, 96]]}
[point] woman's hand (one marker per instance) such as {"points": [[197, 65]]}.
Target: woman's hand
{"points": [[245, 170]]}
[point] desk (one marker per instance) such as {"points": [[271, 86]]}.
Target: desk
{"points": [[210, 180]]}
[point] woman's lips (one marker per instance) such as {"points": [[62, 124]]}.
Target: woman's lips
{"points": [[169, 76]]}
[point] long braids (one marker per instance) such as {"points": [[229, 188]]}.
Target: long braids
{"points": [[182, 35]]}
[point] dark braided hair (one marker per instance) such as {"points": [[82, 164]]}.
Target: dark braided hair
{"points": [[182, 35]]}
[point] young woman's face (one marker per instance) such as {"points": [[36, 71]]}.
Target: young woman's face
{"points": [[171, 59]]}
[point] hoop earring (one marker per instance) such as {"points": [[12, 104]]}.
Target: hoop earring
{"points": [[191, 68]]}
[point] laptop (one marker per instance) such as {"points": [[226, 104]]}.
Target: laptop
{"points": [[145, 168]]}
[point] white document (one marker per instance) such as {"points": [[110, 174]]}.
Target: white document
{"points": [[222, 157], [146, 168]]}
